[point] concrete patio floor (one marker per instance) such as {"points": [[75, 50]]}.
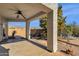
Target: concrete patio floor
{"points": [[30, 47]]}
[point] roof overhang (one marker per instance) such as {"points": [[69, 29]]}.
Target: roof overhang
{"points": [[29, 10]]}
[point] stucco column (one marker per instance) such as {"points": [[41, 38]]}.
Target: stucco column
{"points": [[28, 30], [1, 30], [6, 28], [52, 31]]}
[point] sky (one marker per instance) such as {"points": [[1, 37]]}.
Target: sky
{"points": [[71, 10], [33, 24]]}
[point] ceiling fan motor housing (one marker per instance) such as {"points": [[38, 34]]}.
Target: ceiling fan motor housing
{"points": [[18, 12]]}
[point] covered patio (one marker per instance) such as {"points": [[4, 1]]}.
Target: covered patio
{"points": [[32, 47], [29, 13]]}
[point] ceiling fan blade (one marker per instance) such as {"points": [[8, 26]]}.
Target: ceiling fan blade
{"points": [[18, 12], [13, 9], [16, 8]]}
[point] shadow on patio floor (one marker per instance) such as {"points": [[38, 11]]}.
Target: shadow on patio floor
{"points": [[39, 45], [12, 40]]}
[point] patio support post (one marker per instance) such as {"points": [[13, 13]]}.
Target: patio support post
{"points": [[1, 29], [52, 31], [6, 28], [28, 30]]}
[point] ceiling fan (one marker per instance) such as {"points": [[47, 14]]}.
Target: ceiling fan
{"points": [[19, 13]]}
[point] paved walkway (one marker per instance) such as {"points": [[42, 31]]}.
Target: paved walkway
{"points": [[26, 48]]}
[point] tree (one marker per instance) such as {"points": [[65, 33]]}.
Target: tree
{"points": [[69, 29], [75, 29], [61, 22], [43, 25]]}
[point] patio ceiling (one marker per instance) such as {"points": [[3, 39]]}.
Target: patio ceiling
{"points": [[29, 10]]}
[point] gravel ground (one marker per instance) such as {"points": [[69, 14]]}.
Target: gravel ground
{"points": [[73, 45]]}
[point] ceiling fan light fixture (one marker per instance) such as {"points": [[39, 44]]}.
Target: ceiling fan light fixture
{"points": [[17, 16]]}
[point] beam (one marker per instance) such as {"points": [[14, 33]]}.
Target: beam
{"points": [[23, 17], [36, 15]]}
